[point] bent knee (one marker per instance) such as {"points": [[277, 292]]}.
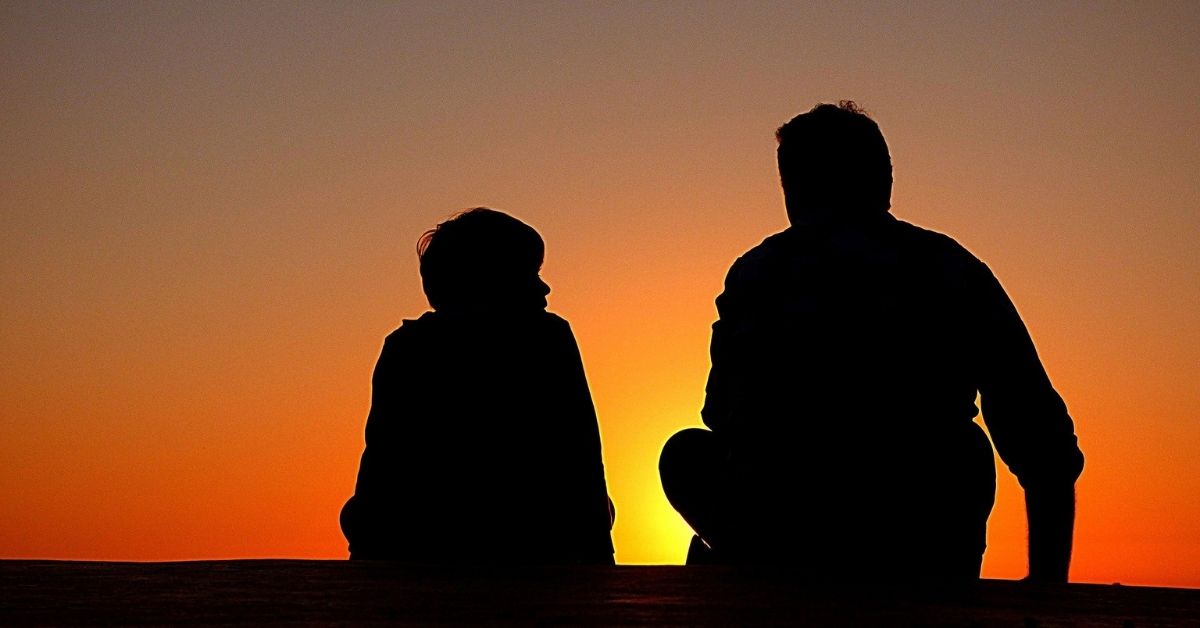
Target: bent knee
{"points": [[685, 448]]}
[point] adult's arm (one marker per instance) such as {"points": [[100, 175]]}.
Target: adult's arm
{"points": [[721, 386], [1051, 514], [1030, 427]]}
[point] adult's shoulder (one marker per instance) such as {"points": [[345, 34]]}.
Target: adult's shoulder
{"points": [[770, 247], [943, 247], [751, 264]]}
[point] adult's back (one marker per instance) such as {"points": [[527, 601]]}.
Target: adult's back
{"points": [[846, 363]]}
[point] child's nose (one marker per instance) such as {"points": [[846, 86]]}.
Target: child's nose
{"points": [[543, 286]]}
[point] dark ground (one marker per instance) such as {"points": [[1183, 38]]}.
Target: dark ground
{"points": [[322, 592]]}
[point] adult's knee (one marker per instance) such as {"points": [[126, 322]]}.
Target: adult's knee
{"points": [[685, 453], [690, 466], [348, 518]]}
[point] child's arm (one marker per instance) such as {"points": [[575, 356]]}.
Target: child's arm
{"points": [[368, 516], [594, 515]]}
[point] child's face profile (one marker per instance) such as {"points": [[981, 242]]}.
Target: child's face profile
{"points": [[483, 261], [538, 291], [516, 290]]}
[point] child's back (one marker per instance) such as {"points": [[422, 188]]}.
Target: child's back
{"points": [[482, 441]]}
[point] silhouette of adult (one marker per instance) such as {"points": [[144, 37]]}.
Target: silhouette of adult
{"points": [[482, 440], [846, 362]]}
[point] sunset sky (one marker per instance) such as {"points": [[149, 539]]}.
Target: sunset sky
{"points": [[210, 212]]}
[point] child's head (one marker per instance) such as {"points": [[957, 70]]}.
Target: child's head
{"points": [[482, 260]]}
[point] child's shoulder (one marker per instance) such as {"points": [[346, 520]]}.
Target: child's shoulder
{"points": [[433, 324], [543, 322], [411, 328], [553, 320]]}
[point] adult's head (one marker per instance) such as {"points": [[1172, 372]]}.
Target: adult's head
{"points": [[482, 260], [833, 163]]}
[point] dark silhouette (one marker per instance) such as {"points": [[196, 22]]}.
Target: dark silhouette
{"points": [[845, 366], [482, 441]]}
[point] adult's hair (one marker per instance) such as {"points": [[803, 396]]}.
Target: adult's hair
{"points": [[833, 161], [473, 256]]}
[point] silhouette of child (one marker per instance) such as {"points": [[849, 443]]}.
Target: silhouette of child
{"points": [[482, 443]]}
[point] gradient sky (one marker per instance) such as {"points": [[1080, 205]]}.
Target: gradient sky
{"points": [[210, 212]]}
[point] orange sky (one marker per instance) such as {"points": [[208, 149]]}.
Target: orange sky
{"points": [[210, 212]]}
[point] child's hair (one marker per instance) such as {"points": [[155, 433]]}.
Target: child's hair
{"points": [[475, 255]]}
